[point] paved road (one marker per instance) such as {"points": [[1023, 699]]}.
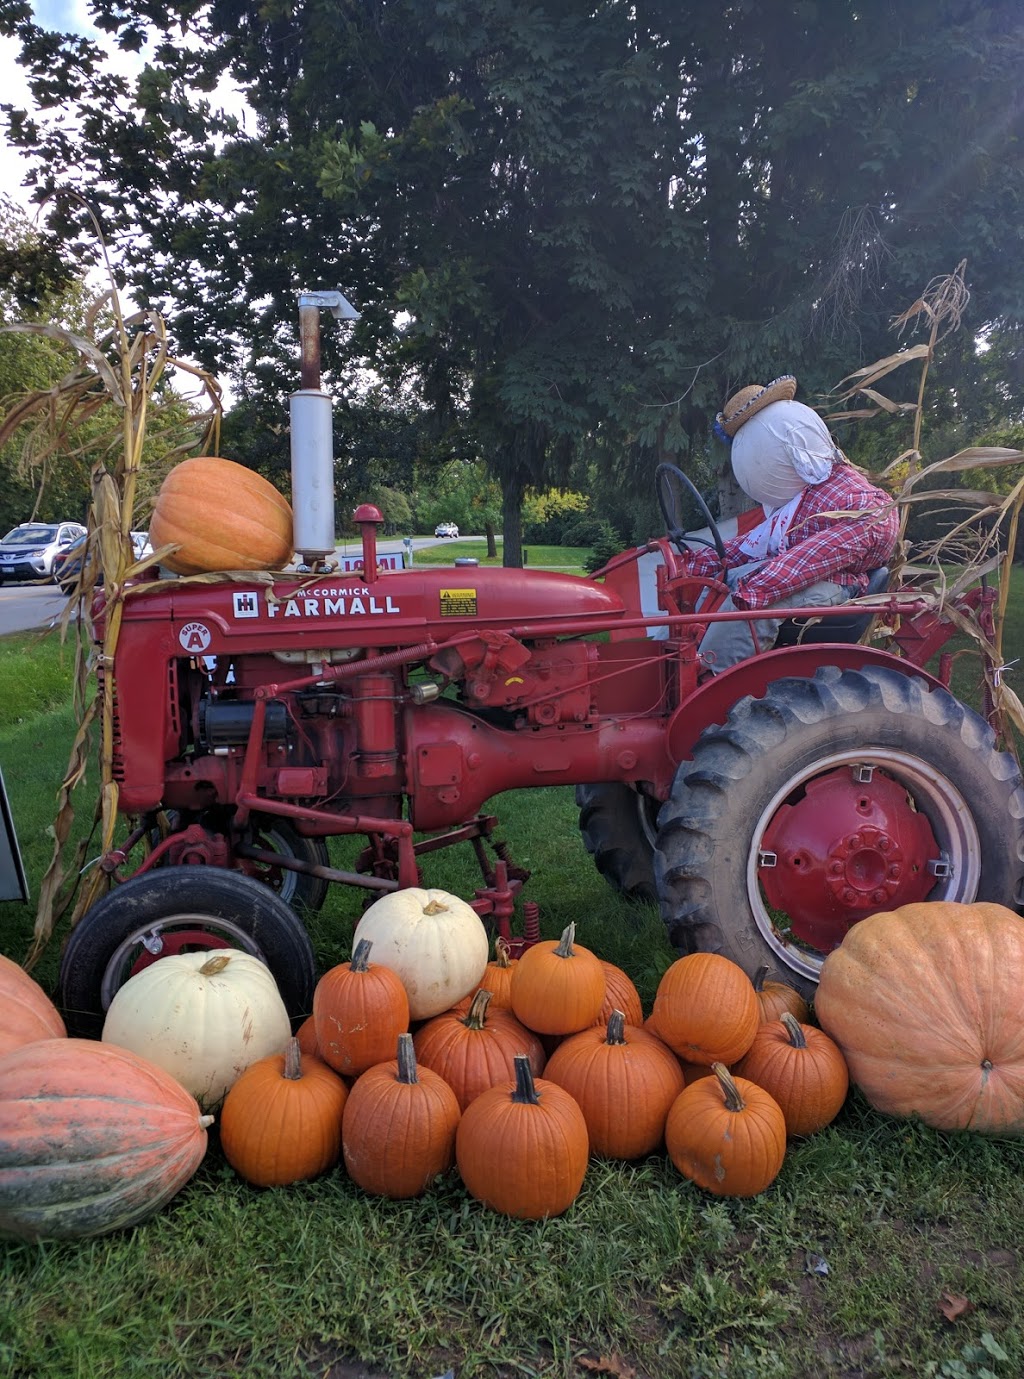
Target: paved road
{"points": [[24, 607]]}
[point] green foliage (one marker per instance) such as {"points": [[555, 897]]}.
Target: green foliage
{"points": [[552, 515], [598, 219], [605, 546], [38, 283]]}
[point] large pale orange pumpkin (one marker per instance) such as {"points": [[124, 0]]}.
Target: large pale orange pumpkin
{"points": [[26, 1012], [924, 1002], [221, 516]]}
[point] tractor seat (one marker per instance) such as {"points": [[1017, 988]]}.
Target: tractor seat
{"points": [[839, 629]]}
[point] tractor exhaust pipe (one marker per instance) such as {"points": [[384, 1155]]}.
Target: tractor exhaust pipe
{"points": [[312, 440]]}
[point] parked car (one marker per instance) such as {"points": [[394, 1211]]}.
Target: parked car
{"points": [[446, 529], [67, 565], [29, 550]]}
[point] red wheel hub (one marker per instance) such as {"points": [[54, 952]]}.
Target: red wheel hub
{"points": [[180, 941], [851, 844]]}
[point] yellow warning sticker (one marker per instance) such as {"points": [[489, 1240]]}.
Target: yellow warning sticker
{"points": [[458, 603]]}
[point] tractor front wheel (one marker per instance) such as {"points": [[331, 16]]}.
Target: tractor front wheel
{"points": [[826, 800], [174, 910]]}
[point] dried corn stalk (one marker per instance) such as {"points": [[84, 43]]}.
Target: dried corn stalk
{"points": [[975, 546], [114, 407]]}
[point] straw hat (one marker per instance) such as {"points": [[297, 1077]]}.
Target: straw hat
{"points": [[748, 401]]}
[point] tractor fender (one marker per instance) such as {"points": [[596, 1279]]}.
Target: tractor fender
{"points": [[714, 697]]}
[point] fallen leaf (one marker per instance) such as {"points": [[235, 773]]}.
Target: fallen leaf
{"points": [[609, 1364], [953, 1306]]}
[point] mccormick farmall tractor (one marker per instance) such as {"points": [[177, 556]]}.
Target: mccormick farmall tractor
{"points": [[766, 808]]}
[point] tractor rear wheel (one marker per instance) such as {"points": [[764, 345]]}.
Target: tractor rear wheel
{"points": [[826, 800], [619, 825]]}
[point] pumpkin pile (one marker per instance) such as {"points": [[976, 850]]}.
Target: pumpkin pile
{"points": [[426, 1052]]}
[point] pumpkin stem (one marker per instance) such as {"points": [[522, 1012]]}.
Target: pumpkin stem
{"points": [[361, 955], [524, 1090], [477, 1011], [759, 977], [292, 1060], [205, 1122], [616, 1028], [564, 948], [502, 951], [212, 966], [793, 1029], [435, 907], [733, 1100], [407, 1071]]}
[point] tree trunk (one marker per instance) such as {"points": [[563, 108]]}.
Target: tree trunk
{"points": [[512, 489], [492, 544], [731, 498]]}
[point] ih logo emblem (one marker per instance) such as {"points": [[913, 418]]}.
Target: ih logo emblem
{"points": [[247, 605]]}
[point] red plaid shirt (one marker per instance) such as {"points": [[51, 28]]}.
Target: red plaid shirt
{"points": [[843, 529]]}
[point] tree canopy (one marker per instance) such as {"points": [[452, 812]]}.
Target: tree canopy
{"points": [[575, 226]]}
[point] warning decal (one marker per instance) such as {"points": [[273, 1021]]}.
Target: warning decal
{"points": [[458, 603]]}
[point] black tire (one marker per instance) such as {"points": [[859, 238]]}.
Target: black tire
{"points": [[941, 756], [618, 825], [234, 909], [295, 888]]}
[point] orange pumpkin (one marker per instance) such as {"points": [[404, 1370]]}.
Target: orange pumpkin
{"points": [[624, 1082], [474, 1051], [221, 516], [92, 1139], [727, 1135], [281, 1121], [497, 979], [522, 1147], [306, 1035], [558, 986], [803, 1070], [706, 1010], [359, 1010], [691, 1071], [26, 1012], [398, 1130], [620, 994], [775, 997], [924, 1003]]}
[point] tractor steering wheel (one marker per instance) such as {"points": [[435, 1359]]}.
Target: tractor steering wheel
{"points": [[669, 479]]}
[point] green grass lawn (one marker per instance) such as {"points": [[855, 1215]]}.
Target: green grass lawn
{"points": [[838, 1271], [568, 558]]}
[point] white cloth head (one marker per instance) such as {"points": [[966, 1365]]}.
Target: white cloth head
{"points": [[779, 451]]}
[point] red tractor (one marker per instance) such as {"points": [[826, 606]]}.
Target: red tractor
{"points": [[766, 808]]}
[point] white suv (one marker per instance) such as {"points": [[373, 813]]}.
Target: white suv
{"points": [[28, 552], [446, 529]]}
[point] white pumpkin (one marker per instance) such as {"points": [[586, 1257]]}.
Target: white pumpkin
{"points": [[202, 1017], [436, 943]]}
